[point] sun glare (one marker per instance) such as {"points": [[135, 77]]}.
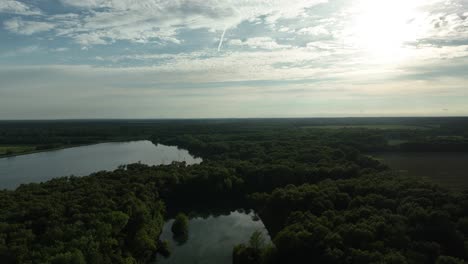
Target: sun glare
{"points": [[381, 28]]}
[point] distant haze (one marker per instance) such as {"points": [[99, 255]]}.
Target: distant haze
{"points": [[232, 58]]}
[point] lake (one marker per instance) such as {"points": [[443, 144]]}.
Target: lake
{"points": [[449, 169], [212, 239], [80, 161]]}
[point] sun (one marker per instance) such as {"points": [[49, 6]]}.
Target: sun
{"points": [[381, 28]]}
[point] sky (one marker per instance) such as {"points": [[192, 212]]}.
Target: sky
{"points": [[64, 59]]}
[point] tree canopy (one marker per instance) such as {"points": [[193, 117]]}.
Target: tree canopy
{"points": [[318, 193]]}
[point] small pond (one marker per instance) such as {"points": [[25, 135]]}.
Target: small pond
{"points": [[212, 239]]}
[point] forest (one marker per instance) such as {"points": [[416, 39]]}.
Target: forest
{"points": [[321, 196]]}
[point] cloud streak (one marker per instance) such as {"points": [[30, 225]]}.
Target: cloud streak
{"points": [[221, 40], [100, 22]]}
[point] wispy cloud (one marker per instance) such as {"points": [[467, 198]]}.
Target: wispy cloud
{"points": [[266, 43], [19, 26], [305, 54], [105, 21], [16, 7], [20, 51]]}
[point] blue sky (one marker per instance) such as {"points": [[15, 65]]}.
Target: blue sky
{"points": [[244, 58]]}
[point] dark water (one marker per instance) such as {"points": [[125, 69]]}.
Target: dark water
{"points": [[212, 239], [448, 169], [85, 160]]}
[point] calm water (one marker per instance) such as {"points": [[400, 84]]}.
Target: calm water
{"points": [[449, 169], [212, 239], [85, 160]]}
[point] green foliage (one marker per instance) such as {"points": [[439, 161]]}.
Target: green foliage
{"points": [[255, 251], [448, 260], [180, 225], [75, 257], [257, 241], [110, 217], [390, 219], [321, 199], [164, 249], [7, 150]]}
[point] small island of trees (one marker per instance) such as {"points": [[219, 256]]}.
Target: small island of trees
{"points": [[179, 228]]}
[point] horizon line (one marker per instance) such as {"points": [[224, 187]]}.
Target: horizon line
{"points": [[223, 118]]}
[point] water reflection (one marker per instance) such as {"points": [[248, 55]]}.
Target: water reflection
{"points": [[211, 239], [85, 160]]}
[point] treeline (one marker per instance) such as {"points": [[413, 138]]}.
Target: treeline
{"points": [[63, 133], [375, 218], [319, 196], [68, 132]]}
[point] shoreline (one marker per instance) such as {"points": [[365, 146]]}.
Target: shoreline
{"points": [[67, 147], [46, 150]]}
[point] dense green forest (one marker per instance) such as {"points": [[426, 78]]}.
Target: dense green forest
{"points": [[321, 197]]}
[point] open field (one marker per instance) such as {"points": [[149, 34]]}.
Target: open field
{"points": [[445, 168], [377, 126], [15, 149]]}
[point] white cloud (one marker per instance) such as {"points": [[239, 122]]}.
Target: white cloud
{"points": [[88, 39], [259, 43], [160, 20], [314, 31], [62, 49], [16, 7], [19, 26], [294, 63], [415, 49], [285, 29], [451, 26]]}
